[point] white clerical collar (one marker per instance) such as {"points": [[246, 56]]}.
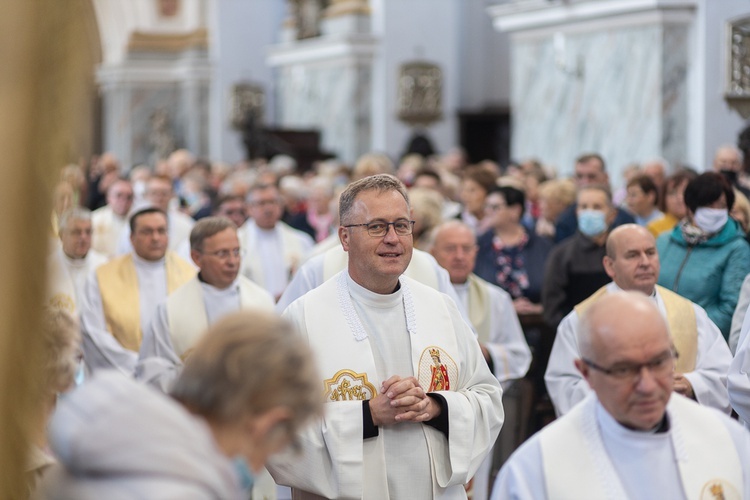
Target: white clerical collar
{"points": [[460, 287], [139, 261], [220, 292], [615, 429], [347, 289], [615, 288], [73, 262]]}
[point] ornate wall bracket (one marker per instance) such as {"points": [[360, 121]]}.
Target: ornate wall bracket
{"points": [[420, 93], [737, 92]]}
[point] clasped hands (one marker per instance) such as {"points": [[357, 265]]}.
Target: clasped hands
{"points": [[402, 400]]}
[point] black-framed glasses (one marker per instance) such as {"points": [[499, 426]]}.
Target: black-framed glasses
{"points": [[659, 366], [224, 254], [379, 228]]}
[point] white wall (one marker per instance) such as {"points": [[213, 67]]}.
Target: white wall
{"points": [[711, 122], [408, 30], [241, 32]]}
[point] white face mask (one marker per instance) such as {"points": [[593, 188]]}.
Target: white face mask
{"points": [[711, 220]]}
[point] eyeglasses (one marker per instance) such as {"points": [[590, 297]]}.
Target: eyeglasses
{"points": [[659, 366], [379, 228], [224, 254], [494, 206]]}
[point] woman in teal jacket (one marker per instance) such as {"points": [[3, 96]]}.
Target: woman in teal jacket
{"points": [[705, 257]]}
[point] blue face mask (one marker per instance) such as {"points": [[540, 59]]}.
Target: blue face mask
{"points": [[244, 474], [592, 222], [80, 375]]}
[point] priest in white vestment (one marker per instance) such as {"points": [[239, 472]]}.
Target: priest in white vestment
{"points": [[216, 291], [411, 406], [112, 219], [633, 437], [75, 255], [273, 250], [121, 296], [633, 264], [494, 319]]}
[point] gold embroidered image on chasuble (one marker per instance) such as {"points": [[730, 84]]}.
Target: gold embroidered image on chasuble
{"points": [[437, 369], [347, 385]]}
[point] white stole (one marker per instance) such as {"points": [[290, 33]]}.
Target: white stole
{"points": [[186, 311], [346, 362], [576, 464]]}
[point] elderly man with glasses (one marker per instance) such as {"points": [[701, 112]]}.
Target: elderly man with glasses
{"points": [[634, 437], [216, 291], [411, 407], [632, 262]]}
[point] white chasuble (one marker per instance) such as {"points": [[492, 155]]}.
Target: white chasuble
{"points": [[188, 314], [576, 459], [441, 353]]}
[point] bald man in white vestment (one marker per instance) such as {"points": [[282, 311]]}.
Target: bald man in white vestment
{"points": [[216, 291], [633, 437], [494, 319], [274, 249], [633, 264], [411, 407], [122, 295]]}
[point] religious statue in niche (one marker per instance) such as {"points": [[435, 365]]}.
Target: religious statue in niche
{"points": [[161, 138], [307, 15], [738, 71], [420, 90], [168, 8]]}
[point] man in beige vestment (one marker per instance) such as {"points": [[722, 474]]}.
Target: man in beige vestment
{"points": [[633, 264], [121, 296], [217, 290]]}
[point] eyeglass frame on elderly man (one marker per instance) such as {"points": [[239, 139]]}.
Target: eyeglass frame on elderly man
{"points": [[633, 371], [376, 232]]}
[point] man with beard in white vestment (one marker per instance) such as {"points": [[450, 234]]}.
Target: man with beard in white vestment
{"points": [[216, 291], [631, 260], [122, 295], [411, 407], [633, 437]]}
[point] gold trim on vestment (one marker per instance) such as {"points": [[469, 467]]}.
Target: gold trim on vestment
{"points": [[680, 317]]}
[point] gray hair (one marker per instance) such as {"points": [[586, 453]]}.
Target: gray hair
{"points": [[207, 227], [381, 183], [76, 213], [247, 363]]}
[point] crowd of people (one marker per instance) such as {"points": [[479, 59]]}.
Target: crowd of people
{"points": [[375, 330]]}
